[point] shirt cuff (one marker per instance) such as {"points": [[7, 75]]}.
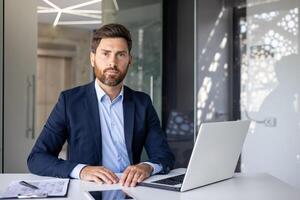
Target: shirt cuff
{"points": [[156, 167], [76, 171]]}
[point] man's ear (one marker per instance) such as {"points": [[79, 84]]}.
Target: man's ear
{"points": [[130, 60], [92, 59]]}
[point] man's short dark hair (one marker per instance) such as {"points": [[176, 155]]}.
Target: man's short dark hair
{"points": [[111, 31]]}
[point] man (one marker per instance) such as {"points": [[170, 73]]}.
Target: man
{"points": [[105, 123]]}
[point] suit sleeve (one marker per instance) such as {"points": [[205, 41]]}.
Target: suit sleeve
{"points": [[156, 143], [43, 159]]}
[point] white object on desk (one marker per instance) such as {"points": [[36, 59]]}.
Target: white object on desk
{"points": [[46, 188]]}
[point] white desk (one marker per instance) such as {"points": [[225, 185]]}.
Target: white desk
{"points": [[260, 186]]}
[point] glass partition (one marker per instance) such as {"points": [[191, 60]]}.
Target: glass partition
{"points": [[270, 79], [213, 64], [146, 72]]}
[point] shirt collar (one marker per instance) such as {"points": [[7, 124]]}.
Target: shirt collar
{"points": [[101, 94]]}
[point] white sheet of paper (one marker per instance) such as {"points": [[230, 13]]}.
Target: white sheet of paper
{"points": [[52, 187]]}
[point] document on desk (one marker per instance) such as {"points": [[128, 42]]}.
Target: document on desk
{"points": [[41, 189]]}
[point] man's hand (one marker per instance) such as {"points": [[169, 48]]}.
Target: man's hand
{"points": [[135, 174], [98, 174]]}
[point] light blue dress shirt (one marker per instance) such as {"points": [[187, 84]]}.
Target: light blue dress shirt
{"points": [[114, 152]]}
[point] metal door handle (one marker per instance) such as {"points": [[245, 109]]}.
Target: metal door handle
{"points": [[151, 87], [33, 107], [30, 125]]}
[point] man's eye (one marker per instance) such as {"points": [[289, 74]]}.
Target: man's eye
{"points": [[105, 53]]}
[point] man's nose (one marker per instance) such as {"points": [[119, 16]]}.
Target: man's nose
{"points": [[112, 61]]}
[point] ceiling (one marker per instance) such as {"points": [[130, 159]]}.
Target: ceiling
{"points": [[81, 13], [78, 13]]}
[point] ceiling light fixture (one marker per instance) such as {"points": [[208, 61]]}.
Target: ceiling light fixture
{"points": [[57, 17], [96, 15], [116, 5]]}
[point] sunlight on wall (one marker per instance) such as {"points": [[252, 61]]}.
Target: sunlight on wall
{"points": [[295, 103], [267, 16], [203, 96], [267, 47], [215, 63], [213, 72], [290, 22], [212, 110], [278, 45], [212, 32], [224, 42]]}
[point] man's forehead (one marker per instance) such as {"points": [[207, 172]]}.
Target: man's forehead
{"points": [[111, 49], [113, 44]]}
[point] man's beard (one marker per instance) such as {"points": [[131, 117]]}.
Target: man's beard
{"points": [[109, 79]]}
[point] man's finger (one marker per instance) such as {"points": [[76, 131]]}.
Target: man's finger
{"points": [[141, 178], [109, 178], [103, 177], [135, 179], [112, 174], [96, 179], [124, 176], [130, 177]]}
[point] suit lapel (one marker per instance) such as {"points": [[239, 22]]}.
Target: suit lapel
{"points": [[94, 119], [128, 109]]}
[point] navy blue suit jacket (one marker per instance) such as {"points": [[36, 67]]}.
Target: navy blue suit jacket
{"points": [[75, 119]]}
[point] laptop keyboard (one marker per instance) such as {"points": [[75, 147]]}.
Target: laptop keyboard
{"points": [[172, 180]]}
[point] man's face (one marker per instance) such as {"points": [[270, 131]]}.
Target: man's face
{"points": [[111, 61]]}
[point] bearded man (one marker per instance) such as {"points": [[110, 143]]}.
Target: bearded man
{"points": [[105, 123]]}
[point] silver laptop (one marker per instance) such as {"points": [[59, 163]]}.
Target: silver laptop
{"points": [[214, 157]]}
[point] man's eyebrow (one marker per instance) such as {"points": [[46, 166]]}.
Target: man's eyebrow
{"points": [[121, 51]]}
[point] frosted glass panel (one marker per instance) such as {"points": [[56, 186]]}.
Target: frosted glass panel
{"points": [[270, 79]]}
